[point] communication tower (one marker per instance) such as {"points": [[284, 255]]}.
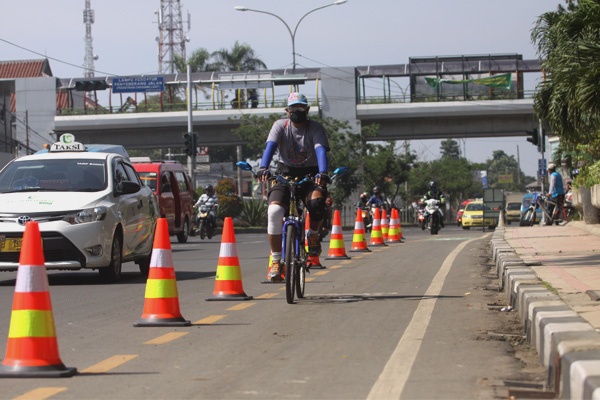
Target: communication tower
{"points": [[171, 39], [88, 61]]}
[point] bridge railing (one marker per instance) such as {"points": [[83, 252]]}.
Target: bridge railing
{"points": [[279, 104]]}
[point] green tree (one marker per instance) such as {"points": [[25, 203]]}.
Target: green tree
{"points": [[199, 60], [450, 148], [241, 57], [502, 164]]}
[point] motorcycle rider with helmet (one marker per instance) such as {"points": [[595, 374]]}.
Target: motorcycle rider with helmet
{"points": [[435, 193], [209, 198], [377, 199]]}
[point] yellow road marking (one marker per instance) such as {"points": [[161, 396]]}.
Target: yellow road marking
{"points": [[321, 273], [267, 295], [41, 393], [211, 319], [309, 279], [346, 262], [108, 364], [169, 337], [241, 306], [335, 267]]}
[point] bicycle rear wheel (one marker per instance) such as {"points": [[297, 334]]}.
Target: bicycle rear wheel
{"points": [[290, 262]]}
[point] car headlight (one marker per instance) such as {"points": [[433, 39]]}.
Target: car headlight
{"points": [[87, 215]]}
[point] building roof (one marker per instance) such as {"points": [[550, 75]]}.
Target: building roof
{"points": [[25, 69]]}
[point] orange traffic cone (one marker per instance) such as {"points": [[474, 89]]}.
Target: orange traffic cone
{"points": [[399, 227], [394, 235], [376, 237], [268, 280], [385, 225], [228, 280], [32, 348], [336, 240], [161, 305], [359, 241], [313, 260]]}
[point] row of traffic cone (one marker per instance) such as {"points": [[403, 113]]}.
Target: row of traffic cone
{"points": [[32, 347]]}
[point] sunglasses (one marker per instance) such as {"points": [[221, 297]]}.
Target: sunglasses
{"points": [[296, 108]]}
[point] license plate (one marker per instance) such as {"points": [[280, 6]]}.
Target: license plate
{"points": [[10, 245]]}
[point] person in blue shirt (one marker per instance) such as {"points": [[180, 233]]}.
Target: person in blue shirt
{"points": [[556, 192], [377, 199]]}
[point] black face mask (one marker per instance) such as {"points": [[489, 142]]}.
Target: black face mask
{"points": [[298, 117]]}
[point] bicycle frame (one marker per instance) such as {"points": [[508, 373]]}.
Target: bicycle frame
{"points": [[296, 267]]}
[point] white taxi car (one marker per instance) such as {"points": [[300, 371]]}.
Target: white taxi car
{"points": [[93, 210]]}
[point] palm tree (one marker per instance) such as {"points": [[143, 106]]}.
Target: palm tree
{"points": [[199, 61], [569, 97], [240, 58]]}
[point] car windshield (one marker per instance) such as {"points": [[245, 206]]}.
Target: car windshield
{"points": [[149, 179], [475, 207], [513, 206], [68, 175]]}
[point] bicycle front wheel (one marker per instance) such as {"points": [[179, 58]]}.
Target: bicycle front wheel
{"points": [[301, 272], [290, 262], [529, 217]]}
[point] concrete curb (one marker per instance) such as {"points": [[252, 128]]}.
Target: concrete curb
{"points": [[568, 346]]}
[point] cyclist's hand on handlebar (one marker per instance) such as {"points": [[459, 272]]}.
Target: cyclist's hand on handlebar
{"points": [[322, 179], [263, 174]]}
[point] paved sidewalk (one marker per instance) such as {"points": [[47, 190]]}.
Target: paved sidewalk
{"points": [[551, 276]]}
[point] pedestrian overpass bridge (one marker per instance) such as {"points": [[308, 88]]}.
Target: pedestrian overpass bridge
{"points": [[397, 121], [339, 96]]}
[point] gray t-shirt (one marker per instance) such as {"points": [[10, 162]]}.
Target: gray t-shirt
{"points": [[296, 146]]}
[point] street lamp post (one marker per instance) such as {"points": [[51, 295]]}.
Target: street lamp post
{"points": [[292, 33]]}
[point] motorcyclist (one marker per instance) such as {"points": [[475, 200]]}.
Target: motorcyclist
{"points": [[377, 199], [209, 198], [362, 200], [435, 193]]}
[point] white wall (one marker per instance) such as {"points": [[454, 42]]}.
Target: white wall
{"points": [[35, 107]]}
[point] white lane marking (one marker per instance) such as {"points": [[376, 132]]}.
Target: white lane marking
{"points": [[392, 379]]}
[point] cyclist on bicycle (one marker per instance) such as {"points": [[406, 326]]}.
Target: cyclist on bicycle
{"points": [[556, 192], [302, 146]]}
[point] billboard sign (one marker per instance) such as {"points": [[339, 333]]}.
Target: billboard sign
{"points": [[138, 84]]}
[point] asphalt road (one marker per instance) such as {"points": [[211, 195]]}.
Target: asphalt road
{"points": [[406, 321]]}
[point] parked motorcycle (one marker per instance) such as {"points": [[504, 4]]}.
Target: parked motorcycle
{"points": [[205, 221], [433, 216]]}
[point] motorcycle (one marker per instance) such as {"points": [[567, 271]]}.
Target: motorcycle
{"points": [[205, 221], [432, 216], [367, 217]]}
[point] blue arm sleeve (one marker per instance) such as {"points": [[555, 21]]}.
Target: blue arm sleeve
{"points": [[322, 158], [268, 154]]}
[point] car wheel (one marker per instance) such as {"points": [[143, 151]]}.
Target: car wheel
{"points": [[144, 265], [112, 272], [182, 237]]}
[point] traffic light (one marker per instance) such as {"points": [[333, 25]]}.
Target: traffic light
{"points": [[90, 85], [190, 142], [533, 137]]}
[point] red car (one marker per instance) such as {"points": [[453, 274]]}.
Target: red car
{"points": [[460, 211]]}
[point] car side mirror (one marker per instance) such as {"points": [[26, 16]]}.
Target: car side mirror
{"points": [[127, 187]]}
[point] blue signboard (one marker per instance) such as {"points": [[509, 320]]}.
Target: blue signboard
{"points": [[138, 84]]}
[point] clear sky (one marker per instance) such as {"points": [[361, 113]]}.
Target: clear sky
{"points": [[359, 32]]}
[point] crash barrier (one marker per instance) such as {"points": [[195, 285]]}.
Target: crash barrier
{"points": [[359, 240], [161, 300], [337, 249], [32, 347], [568, 346], [376, 235], [228, 279]]}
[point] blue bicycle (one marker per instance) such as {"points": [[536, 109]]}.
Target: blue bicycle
{"points": [[293, 249]]}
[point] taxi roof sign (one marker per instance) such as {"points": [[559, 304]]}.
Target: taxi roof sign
{"points": [[66, 142]]}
